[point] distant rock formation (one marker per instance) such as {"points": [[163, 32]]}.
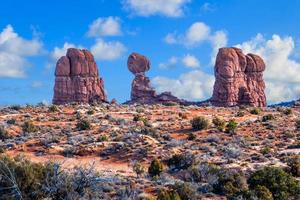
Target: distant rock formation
{"points": [[141, 89], [77, 79], [239, 79]]}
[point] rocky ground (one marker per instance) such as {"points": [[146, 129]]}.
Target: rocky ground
{"points": [[112, 138]]}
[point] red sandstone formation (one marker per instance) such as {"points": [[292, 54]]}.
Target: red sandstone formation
{"points": [[141, 90], [77, 79], [239, 79]]}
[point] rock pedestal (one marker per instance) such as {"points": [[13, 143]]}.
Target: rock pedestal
{"points": [[77, 79], [141, 89], [239, 79]]}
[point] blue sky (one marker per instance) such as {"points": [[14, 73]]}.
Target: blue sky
{"points": [[180, 37]]}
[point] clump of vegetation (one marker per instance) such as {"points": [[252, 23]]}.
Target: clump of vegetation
{"points": [[83, 124], [29, 127], [281, 184], [266, 150], [192, 136], [219, 123], [164, 194], [4, 133], [181, 161], [138, 168], [102, 138], [15, 107], [240, 113], [11, 121], [297, 124], [53, 108], [255, 111], [90, 112], [288, 111], [231, 126], [199, 123], [294, 165], [155, 168], [185, 191], [137, 118], [268, 117]]}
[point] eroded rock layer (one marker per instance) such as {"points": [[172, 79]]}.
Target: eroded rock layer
{"points": [[77, 79], [239, 79]]}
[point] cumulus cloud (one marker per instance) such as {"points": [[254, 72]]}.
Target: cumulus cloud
{"points": [[190, 61], [282, 72], [194, 86], [109, 26], [171, 63], [14, 51], [169, 8], [107, 50], [196, 34]]}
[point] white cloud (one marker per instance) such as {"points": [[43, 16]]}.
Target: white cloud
{"points": [[190, 61], [37, 84], [196, 34], [107, 50], [109, 26], [194, 86], [170, 8], [171, 63], [282, 72], [14, 51]]}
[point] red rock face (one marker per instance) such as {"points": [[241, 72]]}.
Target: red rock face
{"points": [[141, 90], [77, 79], [239, 79]]}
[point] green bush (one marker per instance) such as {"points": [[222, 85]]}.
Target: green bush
{"points": [[231, 126], [199, 123], [255, 111], [297, 124], [53, 108], [263, 193], [181, 161], [185, 191], [268, 117], [138, 168], [230, 182], [29, 127], [294, 164], [102, 138], [83, 124], [219, 123], [281, 184], [288, 111], [155, 168], [4, 133], [192, 136], [164, 194]]}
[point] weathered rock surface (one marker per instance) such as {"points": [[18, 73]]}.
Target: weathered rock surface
{"points": [[141, 89], [239, 79], [77, 79]]}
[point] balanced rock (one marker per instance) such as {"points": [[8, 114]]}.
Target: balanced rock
{"points": [[141, 89], [239, 79], [77, 79]]}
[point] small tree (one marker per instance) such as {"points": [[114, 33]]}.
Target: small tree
{"points": [[155, 168], [83, 124], [294, 164], [231, 126], [219, 123], [29, 127], [199, 123], [138, 168]]}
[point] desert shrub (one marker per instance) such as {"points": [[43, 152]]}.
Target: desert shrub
{"points": [[297, 124], [102, 138], [265, 150], [138, 168], [164, 194], [231, 126], [219, 123], [281, 184], [11, 121], [83, 124], [294, 165], [181, 161], [288, 111], [21, 178], [199, 123], [29, 127], [4, 133], [137, 118], [255, 111], [185, 191], [90, 112], [53, 108], [192, 136], [155, 168], [182, 115], [15, 107], [240, 113], [268, 117], [230, 182], [263, 193]]}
